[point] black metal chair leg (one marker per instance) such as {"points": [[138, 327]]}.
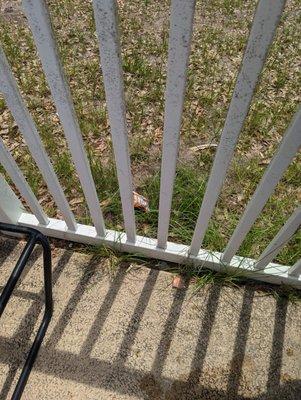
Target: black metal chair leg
{"points": [[34, 237]]}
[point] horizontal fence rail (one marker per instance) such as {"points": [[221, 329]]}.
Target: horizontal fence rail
{"points": [[174, 252], [262, 32]]}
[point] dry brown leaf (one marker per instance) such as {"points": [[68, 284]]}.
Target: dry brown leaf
{"points": [[178, 282], [203, 146], [264, 162], [74, 202], [105, 203], [140, 202]]}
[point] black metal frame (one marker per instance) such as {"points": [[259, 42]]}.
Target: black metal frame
{"points": [[34, 237]]}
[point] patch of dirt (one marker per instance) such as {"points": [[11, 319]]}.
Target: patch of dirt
{"points": [[12, 11]]}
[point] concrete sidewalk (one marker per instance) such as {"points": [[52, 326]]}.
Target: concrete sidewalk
{"points": [[134, 337]]}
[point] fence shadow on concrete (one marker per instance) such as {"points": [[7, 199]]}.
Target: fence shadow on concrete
{"points": [[117, 376]]}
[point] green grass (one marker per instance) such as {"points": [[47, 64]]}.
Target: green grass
{"points": [[219, 38], [203, 277], [197, 277]]}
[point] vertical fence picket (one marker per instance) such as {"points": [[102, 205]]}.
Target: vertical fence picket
{"points": [[295, 270], [282, 237], [18, 179], [286, 152], [10, 206], [40, 25], [14, 101], [105, 13], [181, 24], [261, 35]]}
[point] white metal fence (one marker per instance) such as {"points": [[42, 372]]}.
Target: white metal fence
{"points": [[181, 22]]}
